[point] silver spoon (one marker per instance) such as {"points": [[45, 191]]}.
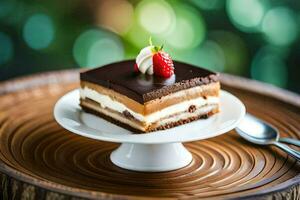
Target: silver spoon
{"points": [[260, 132]]}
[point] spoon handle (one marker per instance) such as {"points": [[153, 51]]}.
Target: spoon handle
{"points": [[290, 141], [289, 150]]}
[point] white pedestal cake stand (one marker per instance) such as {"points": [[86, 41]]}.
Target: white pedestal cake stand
{"points": [[153, 152]]}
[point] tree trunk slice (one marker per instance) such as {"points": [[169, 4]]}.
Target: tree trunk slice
{"points": [[41, 160]]}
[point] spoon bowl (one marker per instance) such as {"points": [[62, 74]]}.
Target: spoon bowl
{"points": [[257, 131], [260, 132]]}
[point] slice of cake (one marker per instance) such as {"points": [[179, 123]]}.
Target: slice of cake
{"points": [[150, 93]]}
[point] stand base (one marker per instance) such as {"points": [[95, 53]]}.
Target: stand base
{"points": [[151, 157]]}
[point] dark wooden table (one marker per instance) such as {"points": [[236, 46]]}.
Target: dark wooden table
{"points": [[41, 160]]}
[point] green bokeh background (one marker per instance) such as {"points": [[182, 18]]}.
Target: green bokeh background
{"points": [[258, 39]]}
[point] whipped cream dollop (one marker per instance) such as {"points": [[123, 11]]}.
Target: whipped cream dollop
{"points": [[144, 60]]}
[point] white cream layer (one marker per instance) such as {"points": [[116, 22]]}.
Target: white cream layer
{"points": [[107, 102], [187, 115]]}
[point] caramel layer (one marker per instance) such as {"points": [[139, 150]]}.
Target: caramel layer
{"points": [[155, 105]]}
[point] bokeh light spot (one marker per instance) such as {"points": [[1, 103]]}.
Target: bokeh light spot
{"points": [[280, 26], [6, 49], [208, 55], [211, 56], [138, 36], [246, 14], [156, 16], [269, 66], [38, 31], [103, 52], [115, 15], [189, 30], [95, 47], [184, 35], [235, 51]]}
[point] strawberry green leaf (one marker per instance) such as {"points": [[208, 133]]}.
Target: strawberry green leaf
{"points": [[150, 41], [154, 48], [161, 47]]}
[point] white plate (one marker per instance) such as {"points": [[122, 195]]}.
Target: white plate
{"points": [[69, 115]]}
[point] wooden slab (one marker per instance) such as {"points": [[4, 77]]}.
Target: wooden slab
{"points": [[41, 160]]}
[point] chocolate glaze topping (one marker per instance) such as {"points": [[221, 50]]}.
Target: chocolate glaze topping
{"points": [[121, 77]]}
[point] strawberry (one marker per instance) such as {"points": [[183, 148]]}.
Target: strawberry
{"points": [[162, 64], [136, 68], [161, 61]]}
